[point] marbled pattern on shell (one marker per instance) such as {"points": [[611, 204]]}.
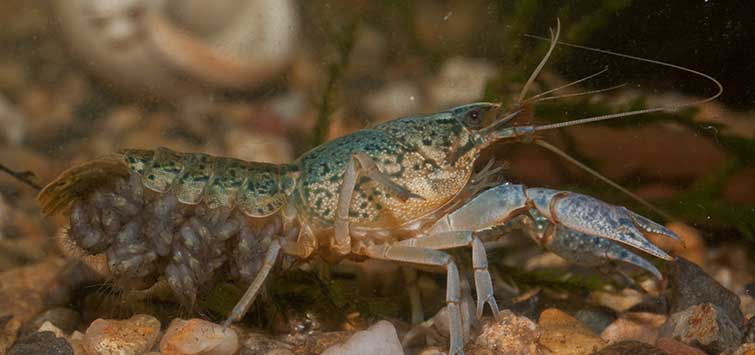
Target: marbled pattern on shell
{"points": [[410, 151], [257, 189]]}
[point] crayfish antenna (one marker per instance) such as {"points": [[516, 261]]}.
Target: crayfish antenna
{"points": [[535, 98], [536, 72], [527, 133], [24, 177], [582, 93], [719, 87]]}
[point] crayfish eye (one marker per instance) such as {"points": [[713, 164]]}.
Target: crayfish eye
{"points": [[473, 118]]}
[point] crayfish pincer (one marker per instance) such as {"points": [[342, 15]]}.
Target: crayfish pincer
{"points": [[404, 191]]}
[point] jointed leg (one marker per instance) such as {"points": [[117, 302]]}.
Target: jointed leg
{"points": [[482, 281], [251, 292], [359, 163], [449, 240], [410, 278], [429, 257]]}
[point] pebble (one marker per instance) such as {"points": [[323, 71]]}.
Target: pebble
{"points": [[692, 247], [705, 326], [135, 335], [76, 339], [398, 99], [595, 318], [564, 334], [749, 331], [745, 349], [269, 148], [674, 347], [379, 339], [619, 301], [509, 334], [49, 327], [528, 305], [198, 337], [41, 343], [317, 342], [64, 318], [739, 189], [8, 331], [639, 326], [461, 80], [689, 285], [630, 347], [601, 145], [22, 289], [258, 344], [434, 350], [12, 121]]}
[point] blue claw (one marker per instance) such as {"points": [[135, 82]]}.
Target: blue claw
{"points": [[591, 216], [652, 227], [587, 250]]}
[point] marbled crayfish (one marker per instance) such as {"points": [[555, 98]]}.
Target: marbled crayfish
{"points": [[404, 190]]}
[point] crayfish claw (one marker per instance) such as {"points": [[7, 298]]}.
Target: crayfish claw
{"points": [[591, 216], [650, 226], [590, 251]]}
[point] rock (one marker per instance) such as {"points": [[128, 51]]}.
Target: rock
{"points": [[689, 285], [41, 343], [618, 301], [8, 330], [547, 260], [603, 144], [317, 342], [509, 334], [595, 318], [12, 121], [657, 305], [258, 344], [434, 350], [49, 327], [749, 331], [461, 80], [634, 326], [630, 347], [76, 339], [200, 337], [398, 99], [528, 305], [739, 189], [251, 146], [120, 52], [563, 334], [66, 319], [441, 27], [705, 326], [745, 349], [692, 246], [379, 339], [671, 346], [135, 335], [22, 289]]}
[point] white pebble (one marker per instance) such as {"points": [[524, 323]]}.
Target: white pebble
{"points": [[379, 339]]}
